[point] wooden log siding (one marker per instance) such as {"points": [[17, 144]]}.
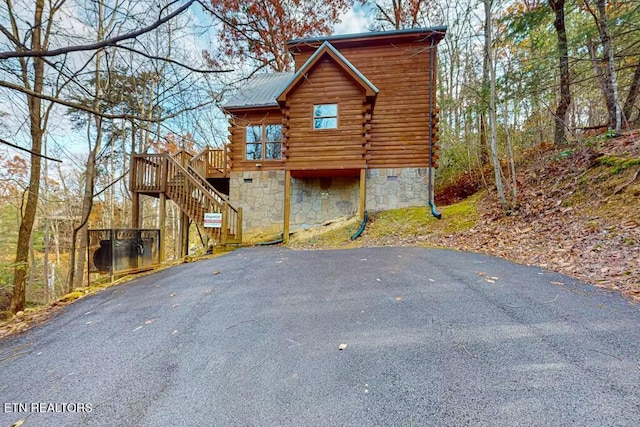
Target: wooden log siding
{"points": [[341, 148], [399, 132], [238, 136]]}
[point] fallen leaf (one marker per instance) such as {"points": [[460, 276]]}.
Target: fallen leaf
{"points": [[175, 305], [173, 294], [398, 298], [148, 322], [175, 331], [342, 346], [216, 272], [18, 423]]}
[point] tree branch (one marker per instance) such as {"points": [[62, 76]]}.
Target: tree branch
{"points": [[113, 41], [90, 110], [28, 151], [172, 61]]}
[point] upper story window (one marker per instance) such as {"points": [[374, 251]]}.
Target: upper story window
{"points": [[264, 142], [325, 116]]}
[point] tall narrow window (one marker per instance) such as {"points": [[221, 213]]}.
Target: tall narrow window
{"points": [[325, 116], [254, 142], [273, 148], [264, 142]]}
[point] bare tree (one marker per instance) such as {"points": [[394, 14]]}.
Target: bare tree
{"points": [[610, 82], [560, 136], [492, 122]]}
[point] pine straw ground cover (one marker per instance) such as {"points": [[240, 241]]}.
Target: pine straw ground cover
{"points": [[579, 214]]}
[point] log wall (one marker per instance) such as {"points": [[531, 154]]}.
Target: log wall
{"points": [[309, 149]]}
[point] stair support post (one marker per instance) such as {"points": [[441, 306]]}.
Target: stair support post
{"points": [[162, 223], [184, 235], [135, 209], [225, 220]]}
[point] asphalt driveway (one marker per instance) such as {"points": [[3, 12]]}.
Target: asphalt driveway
{"points": [[433, 338]]}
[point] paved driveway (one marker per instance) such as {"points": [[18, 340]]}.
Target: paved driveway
{"points": [[433, 338]]}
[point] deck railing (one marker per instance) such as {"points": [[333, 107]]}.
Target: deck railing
{"points": [[147, 173]]}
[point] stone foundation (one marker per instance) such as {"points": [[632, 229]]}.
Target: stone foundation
{"points": [[397, 188], [261, 196], [317, 200]]}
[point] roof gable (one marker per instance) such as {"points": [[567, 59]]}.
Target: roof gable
{"points": [[348, 67]]}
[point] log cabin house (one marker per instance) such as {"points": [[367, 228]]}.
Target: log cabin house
{"points": [[354, 128]]}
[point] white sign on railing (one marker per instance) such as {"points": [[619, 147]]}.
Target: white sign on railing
{"points": [[213, 220]]}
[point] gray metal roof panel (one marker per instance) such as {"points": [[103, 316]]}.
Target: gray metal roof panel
{"points": [[260, 90], [417, 31]]}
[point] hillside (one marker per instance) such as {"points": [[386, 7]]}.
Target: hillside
{"points": [[579, 214]]}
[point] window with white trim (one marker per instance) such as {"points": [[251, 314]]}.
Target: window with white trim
{"points": [[325, 116]]}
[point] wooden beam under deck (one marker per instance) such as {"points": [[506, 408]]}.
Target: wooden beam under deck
{"points": [[287, 205]]}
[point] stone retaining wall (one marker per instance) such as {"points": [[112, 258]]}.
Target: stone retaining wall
{"points": [[317, 200]]}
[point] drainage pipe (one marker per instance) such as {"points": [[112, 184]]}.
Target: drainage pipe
{"points": [[271, 243], [434, 212], [362, 226]]}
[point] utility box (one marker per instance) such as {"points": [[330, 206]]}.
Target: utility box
{"points": [[123, 250]]}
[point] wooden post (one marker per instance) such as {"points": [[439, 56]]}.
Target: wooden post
{"points": [[135, 210], [224, 226], [287, 205], [162, 221], [363, 192], [184, 235], [239, 225]]}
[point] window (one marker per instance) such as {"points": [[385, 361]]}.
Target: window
{"points": [[273, 149], [264, 142], [325, 116], [254, 142]]}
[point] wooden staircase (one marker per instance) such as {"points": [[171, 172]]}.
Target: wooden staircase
{"points": [[182, 182]]}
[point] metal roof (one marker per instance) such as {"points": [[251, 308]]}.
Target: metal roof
{"points": [[407, 31], [312, 59], [260, 90]]}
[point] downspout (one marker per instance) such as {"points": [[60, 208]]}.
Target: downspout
{"points": [[432, 205], [362, 226], [271, 243]]}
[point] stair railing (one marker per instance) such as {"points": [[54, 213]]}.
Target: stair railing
{"points": [[187, 188]]}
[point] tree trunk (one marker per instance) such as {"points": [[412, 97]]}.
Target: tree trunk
{"points": [[18, 297], [560, 136], [76, 270], [632, 96], [492, 124], [610, 79]]}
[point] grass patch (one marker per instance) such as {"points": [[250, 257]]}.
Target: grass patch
{"points": [[419, 221], [618, 163], [396, 223]]}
